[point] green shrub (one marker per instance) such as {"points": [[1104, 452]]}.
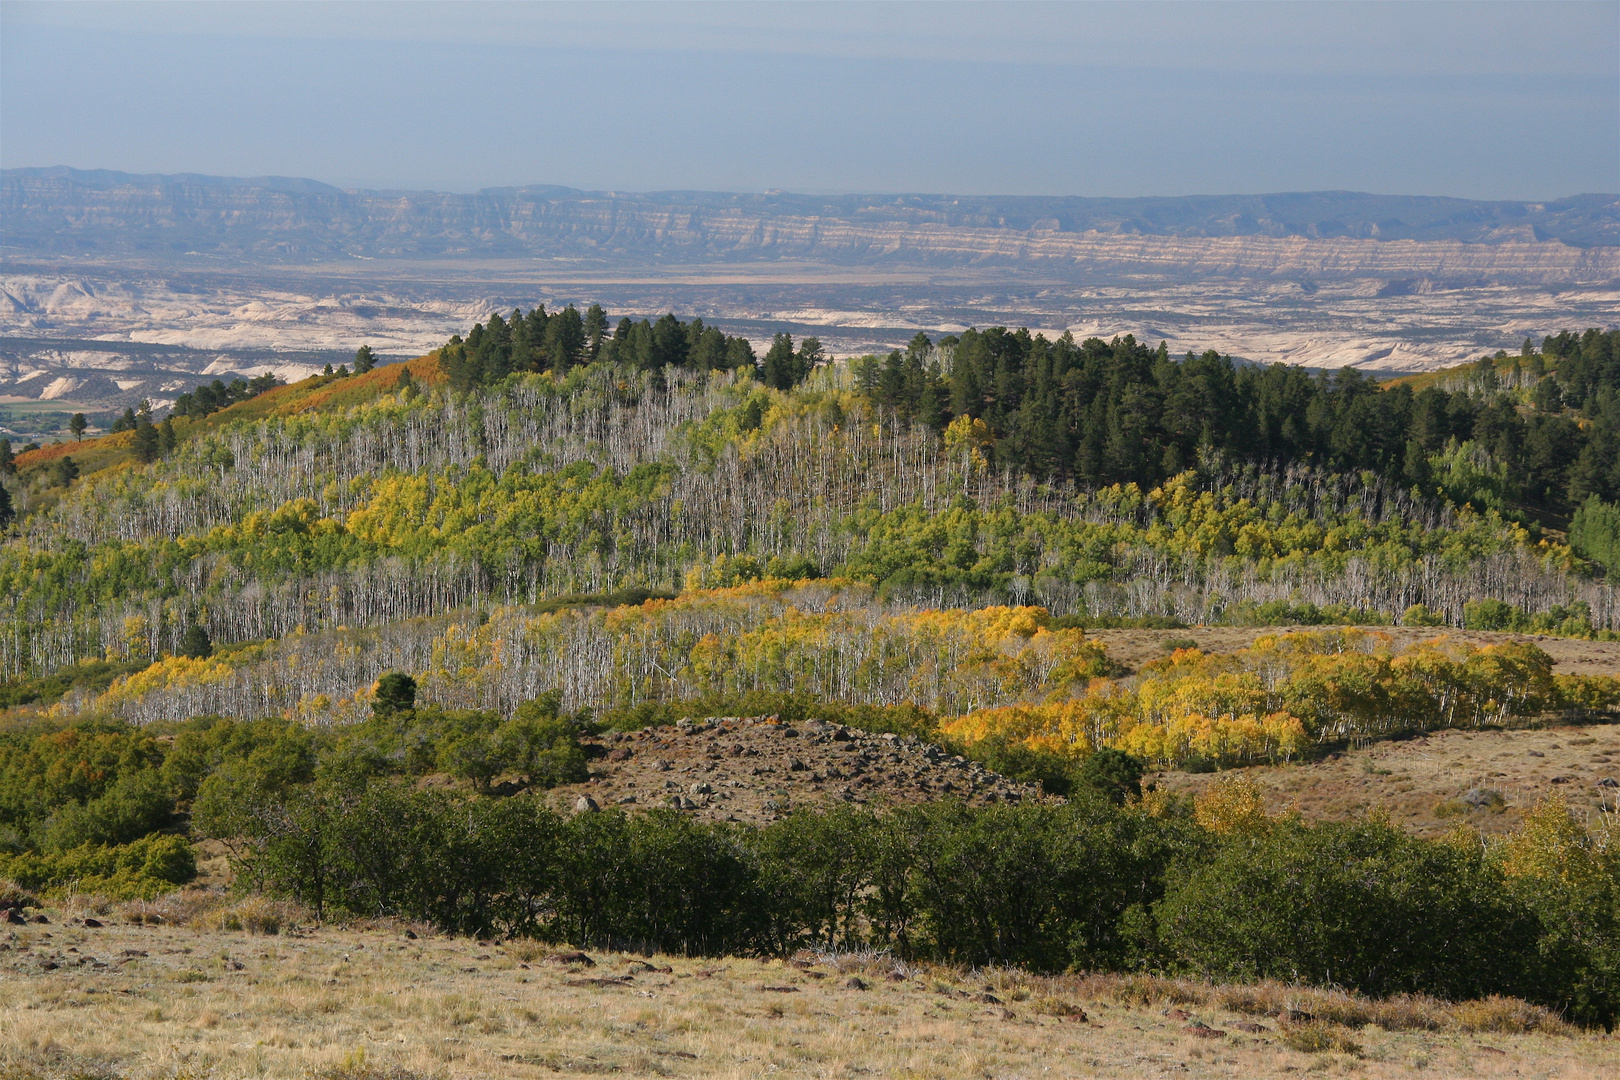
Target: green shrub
{"points": [[1419, 615], [140, 870], [1489, 615], [1594, 533], [1358, 905], [137, 803], [1016, 761], [1112, 774]]}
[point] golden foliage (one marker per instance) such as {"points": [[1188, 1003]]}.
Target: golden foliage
{"points": [[1272, 701], [1231, 806], [1552, 846]]}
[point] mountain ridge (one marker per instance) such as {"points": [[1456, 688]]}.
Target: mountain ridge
{"points": [[60, 211]]}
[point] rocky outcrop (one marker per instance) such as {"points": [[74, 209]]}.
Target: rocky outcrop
{"points": [[756, 769]]}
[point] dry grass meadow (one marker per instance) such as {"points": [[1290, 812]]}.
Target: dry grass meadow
{"points": [[208, 993], [195, 986]]}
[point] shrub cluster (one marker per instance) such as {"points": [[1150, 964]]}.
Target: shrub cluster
{"points": [[1088, 885], [141, 870]]}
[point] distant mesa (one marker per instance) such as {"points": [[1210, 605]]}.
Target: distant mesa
{"points": [[1316, 235]]}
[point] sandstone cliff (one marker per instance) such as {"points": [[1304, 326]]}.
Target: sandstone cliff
{"points": [[1315, 235]]}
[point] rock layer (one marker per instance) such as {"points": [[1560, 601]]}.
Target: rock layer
{"points": [[1317, 235]]}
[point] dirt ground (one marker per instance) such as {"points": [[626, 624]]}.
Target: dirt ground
{"points": [[375, 1004], [1429, 784], [1571, 656], [753, 770]]}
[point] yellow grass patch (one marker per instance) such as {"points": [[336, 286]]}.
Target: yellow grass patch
{"points": [[190, 997]]}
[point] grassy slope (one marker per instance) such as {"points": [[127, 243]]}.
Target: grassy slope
{"points": [[1423, 782], [318, 393], [1440, 376], [368, 1003]]}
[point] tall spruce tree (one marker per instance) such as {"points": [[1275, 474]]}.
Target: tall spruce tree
{"points": [[781, 365], [195, 643]]}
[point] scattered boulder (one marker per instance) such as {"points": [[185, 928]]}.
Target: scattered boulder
{"points": [[712, 764], [603, 982], [585, 805], [571, 958], [855, 982], [1204, 1031]]}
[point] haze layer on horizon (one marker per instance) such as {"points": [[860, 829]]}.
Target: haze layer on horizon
{"points": [[1479, 100]]}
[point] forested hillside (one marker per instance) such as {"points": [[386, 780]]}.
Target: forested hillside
{"points": [[1099, 480], [1537, 432], [355, 629]]}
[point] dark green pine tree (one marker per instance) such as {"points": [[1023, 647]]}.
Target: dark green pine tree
{"points": [[77, 425], [148, 443], [195, 642], [395, 693], [931, 400], [810, 354], [780, 363], [565, 339], [669, 342], [596, 328], [363, 360], [7, 512], [460, 370], [740, 355]]}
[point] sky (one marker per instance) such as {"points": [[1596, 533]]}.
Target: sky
{"points": [[1498, 100]]}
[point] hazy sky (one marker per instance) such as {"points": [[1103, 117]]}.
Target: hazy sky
{"points": [[1486, 100]]}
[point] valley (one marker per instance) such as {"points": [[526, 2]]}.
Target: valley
{"points": [[251, 275]]}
